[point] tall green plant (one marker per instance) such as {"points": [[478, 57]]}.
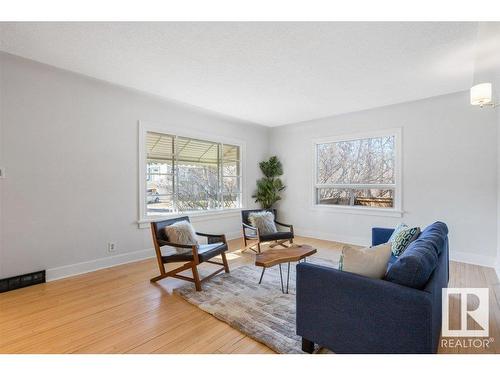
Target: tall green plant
{"points": [[270, 186]]}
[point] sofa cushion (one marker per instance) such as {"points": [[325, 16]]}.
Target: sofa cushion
{"points": [[435, 234], [414, 267], [392, 259]]}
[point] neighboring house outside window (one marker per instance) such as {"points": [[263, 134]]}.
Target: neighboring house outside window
{"points": [[185, 175], [358, 171]]}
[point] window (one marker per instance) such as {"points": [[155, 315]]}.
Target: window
{"points": [[187, 174], [360, 172]]}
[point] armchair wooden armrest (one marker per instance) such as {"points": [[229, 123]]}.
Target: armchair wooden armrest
{"points": [[285, 225]]}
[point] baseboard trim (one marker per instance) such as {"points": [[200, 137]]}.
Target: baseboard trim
{"points": [[469, 258], [107, 262], [97, 264]]}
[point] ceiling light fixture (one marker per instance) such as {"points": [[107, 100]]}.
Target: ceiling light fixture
{"points": [[481, 95]]}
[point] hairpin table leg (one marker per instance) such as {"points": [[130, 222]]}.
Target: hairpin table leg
{"points": [[281, 278], [262, 274], [288, 278]]}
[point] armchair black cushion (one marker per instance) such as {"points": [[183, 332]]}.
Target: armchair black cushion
{"points": [[276, 236], [205, 252]]}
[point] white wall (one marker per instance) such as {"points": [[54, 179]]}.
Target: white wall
{"points": [[495, 79], [70, 146], [498, 191], [487, 69], [1, 166], [496, 84], [449, 173], [497, 100]]}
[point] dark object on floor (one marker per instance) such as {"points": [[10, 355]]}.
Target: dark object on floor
{"points": [[22, 281]]}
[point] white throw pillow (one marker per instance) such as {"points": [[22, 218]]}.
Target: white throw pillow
{"points": [[182, 233], [370, 262], [264, 221]]}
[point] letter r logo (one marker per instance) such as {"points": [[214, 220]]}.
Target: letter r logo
{"points": [[470, 314]]}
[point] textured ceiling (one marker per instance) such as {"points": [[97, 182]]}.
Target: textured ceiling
{"points": [[267, 73]]}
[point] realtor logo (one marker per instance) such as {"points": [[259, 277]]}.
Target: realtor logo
{"points": [[470, 315]]}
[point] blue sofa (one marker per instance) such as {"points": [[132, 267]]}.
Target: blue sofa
{"points": [[349, 313]]}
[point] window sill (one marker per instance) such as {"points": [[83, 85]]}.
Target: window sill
{"points": [[389, 212], [196, 216]]}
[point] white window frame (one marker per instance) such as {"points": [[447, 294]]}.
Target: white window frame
{"points": [[397, 210], [145, 127]]}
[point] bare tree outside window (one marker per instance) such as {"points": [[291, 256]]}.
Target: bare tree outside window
{"points": [[358, 172], [185, 174]]}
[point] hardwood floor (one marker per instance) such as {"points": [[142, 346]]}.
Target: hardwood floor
{"points": [[117, 310]]}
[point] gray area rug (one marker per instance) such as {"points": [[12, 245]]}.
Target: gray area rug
{"points": [[262, 311]]}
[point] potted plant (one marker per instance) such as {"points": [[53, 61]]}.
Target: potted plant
{"points": [[270, 186]]}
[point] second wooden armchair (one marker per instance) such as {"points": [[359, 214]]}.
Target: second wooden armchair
{"points": [[251, 233]]}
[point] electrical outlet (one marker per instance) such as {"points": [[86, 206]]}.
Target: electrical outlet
{"points": [[111, 247]]}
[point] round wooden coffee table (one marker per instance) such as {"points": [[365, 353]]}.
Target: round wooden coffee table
{"points": [[294, 253]]}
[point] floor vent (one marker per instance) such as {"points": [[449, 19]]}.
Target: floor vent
{"points": [[16, 282]]}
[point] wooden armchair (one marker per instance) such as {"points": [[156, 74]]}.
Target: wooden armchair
{"points": [[217, 245], [251, 233]]}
